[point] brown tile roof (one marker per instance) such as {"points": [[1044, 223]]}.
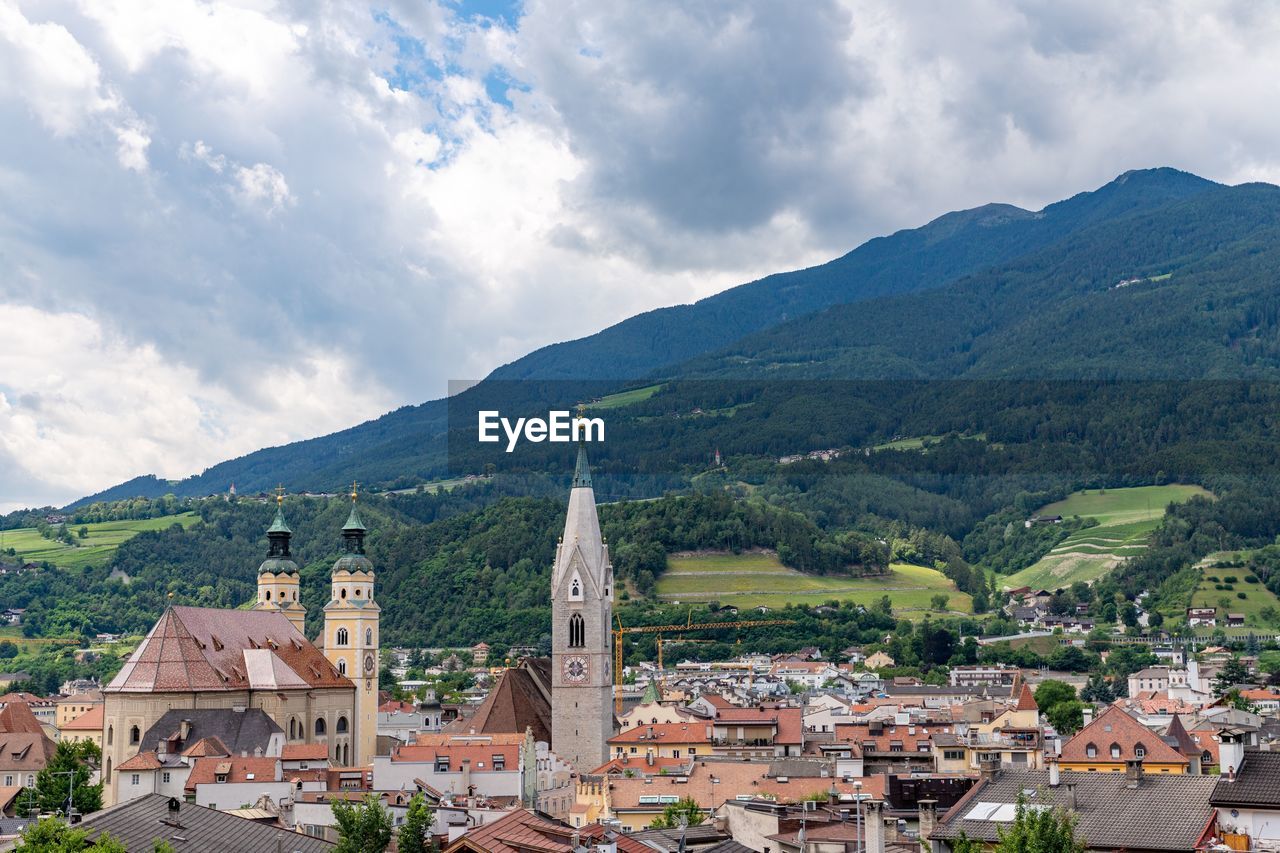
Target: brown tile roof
{"points": [[304, 752], [17, 717], [23, 751], [518, 701], [206, 746], [1115, 726], [141, 761], [1026, 700], [711, 783], [206, 770], [522, 831], [480, 755], [199, 649], [89, 721], [890, 736], [664, 733], [640, 765]]}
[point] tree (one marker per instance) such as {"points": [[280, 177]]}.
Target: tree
{"points": [[686, 809], [1051, 692], [414, 836], [53, 786], [1066, 717], [52, 835], [1039, 831], [939, 602], [1232, 672], [363, 827]]}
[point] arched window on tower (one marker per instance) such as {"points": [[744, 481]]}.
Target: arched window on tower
{"points": [[577, 631], [268, 595], [342, 638], [111, 733], [575, 591], [320, 727], [342, 666], [341, 727]]}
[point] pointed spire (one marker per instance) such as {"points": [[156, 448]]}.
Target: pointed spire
{"points": [[582, 471]]}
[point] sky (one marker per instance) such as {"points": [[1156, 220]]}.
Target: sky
{"points": [[229, 225]]}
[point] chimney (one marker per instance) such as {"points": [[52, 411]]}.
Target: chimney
{"points": [[928, 817], [465, 781], [1088, 715], [1071, 796], [1133, 772], [1230, 753], [1054, 777], [184, 731], [989, 767], [874, 832]]}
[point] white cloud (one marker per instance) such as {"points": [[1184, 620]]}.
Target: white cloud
{"points": [[372, 199]]}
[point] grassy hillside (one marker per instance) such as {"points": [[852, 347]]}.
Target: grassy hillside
{"points": [[95, 549], [1125, 519], [753, 579], [1222, 586]]}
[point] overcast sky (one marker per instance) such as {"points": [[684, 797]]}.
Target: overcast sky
{"points": [[225, 225]]}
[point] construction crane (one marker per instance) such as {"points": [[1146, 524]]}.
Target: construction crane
{"points": [[620, 631], [667, 641]]}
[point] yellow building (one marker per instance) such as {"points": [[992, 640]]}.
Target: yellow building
{"points": [[1113, 739], [88, 726], [664, 740], [73, 707], [350, 639]]}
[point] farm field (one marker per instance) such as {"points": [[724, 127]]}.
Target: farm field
{"points": [[1257, 597], [1125, 518], [919, 442], [13, 633], [626, 398], [103, 539], [755, 579]]}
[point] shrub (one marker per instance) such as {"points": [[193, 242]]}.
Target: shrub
{"points": [[1230, 579], [1241, 595]]}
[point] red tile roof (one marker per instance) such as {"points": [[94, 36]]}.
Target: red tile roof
{"points": [[199, 649], [206, 746], [890, 736], [142, 761], [206, 770], [1115, 726], [1026, 700], [664, 733], [640, 765], [304, 752], [17, 717], [711, 783]]}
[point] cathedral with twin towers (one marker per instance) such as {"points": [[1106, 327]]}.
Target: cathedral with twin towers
{"points": [[325, 691]]}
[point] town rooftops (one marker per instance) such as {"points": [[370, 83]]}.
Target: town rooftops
{"points": [[139, 823], [664, 733], [521, 699], [1164, 812], [304, 752], [228, 769], [204, 649], [90, 721], [523, 831], [238, 731]]}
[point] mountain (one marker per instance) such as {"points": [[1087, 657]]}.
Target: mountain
{"points": [[990, 291]]}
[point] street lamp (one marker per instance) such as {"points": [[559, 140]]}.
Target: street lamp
{"points": [[71, 789]]}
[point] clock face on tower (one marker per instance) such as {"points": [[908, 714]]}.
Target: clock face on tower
{"points": [[577, 669], [368, 663]]}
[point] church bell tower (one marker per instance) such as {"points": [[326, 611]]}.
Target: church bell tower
{"points": [[278, 577], [581, 610], [351, 641]]}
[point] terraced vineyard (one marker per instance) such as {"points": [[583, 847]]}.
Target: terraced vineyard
{"points": [[1125, 518], [758, 578]]}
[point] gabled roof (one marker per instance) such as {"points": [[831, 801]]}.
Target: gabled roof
{"points": [[141, 761], [1115, 726], [204, 649], [205, 747], [205, 771], [523, 831], [1167, 811], [17, 717], [1026, 700], [1257, 782], [139, 823], [90, 721], [304, 752], [664, 733]]}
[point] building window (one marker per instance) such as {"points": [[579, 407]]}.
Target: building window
{"points": [[693, 750], [953, 754], [8, 781], [442, 764], [111, 731], [577, 631], [164, 777], [134, 779], [1115, 750], [342, 726], [675, 753], [342, 666], [1139, 751], [341, 638], [1091, 751], [134, 735], [320, 727], [576, 590], [499, 762]]}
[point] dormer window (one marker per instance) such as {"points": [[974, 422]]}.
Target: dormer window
{"points": [[1115, 750], [1091, 751], [575, 590], [1139, 751]]}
